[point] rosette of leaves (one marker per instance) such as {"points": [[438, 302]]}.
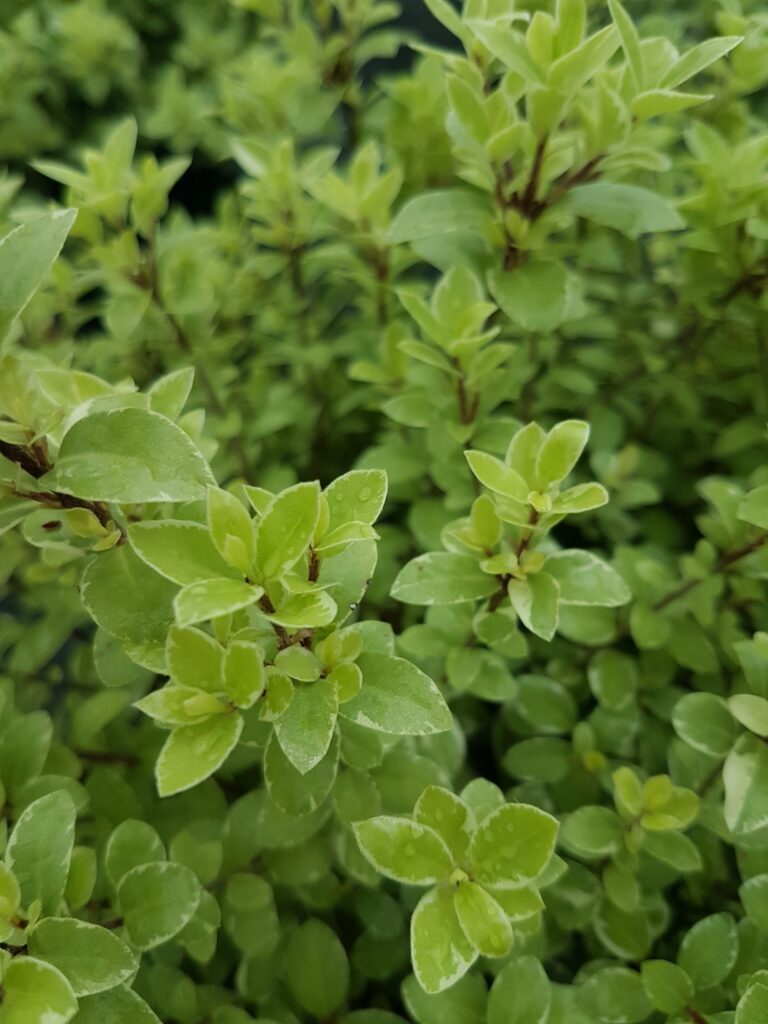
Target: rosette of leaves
{"points": [[481, 858], [501, 551]]}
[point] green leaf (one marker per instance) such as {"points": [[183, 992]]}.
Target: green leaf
{"points": [[92, 959], [118, 1006], [132, 843], [440, 952], [482, 920], [316, 968], [632, 210], [462, 1003], [630, 41], [512, 845], [656, 102], [754, 507], [667, 986], [294, 793], [581, 498], [704, 722], [449, 816], [674, 849], [697, 59], [286, 529], [708, 951], [615, 994], [571, 71], [753, 1005], [535, 600], [194, 659], [129, 456], [193, 752], [538, 296], [157, 900], [585, 579], [208, 599], [439, 213], [745, 775], [244, 677], [396, 697], [407, 851], [306, 728], [26, 256], [493, 474], [754, 898], [520, 994], [179, 550], [40, 849], [356, 497], [560, 451], [126, 598], [231, 528], [169, 394], [440, 577], [592, 832], [751, 711], [309, 610], [36, 993]]}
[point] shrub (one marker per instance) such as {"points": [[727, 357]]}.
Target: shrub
{"points": [[384, 513]]}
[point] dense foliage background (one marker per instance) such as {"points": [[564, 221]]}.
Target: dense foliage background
{"points": [[383, 512]]}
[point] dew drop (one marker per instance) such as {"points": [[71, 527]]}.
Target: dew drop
{"points": [[363, 494]]}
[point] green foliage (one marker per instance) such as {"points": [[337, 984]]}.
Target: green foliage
{"points": [[383, 512]]}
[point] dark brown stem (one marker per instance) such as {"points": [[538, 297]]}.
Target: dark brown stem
{"points": [[24, 457], [526, 539], [724, 561], [585, 173], [527, 202], [34, 461], [500, 594], [112, 923], [314, 566], [283, 639], [695, 1016], [469, 402]]}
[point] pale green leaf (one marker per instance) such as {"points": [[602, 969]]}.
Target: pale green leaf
{"points": [[396, 697], [40, 849], [535, 600], [512, 845], [439, 213], [157, 900], [26, 256], [193, 752], [286, 529], [129, 456], [91, 958], [208, 599], [441, 577], [632, 210], [585, 579], [306, 728], [179, 550], [440, 952], [36, 993], [356, 497], [482, 920], [405, 850]]}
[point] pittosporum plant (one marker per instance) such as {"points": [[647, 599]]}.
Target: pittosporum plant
{"points": [[383, 512]]}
